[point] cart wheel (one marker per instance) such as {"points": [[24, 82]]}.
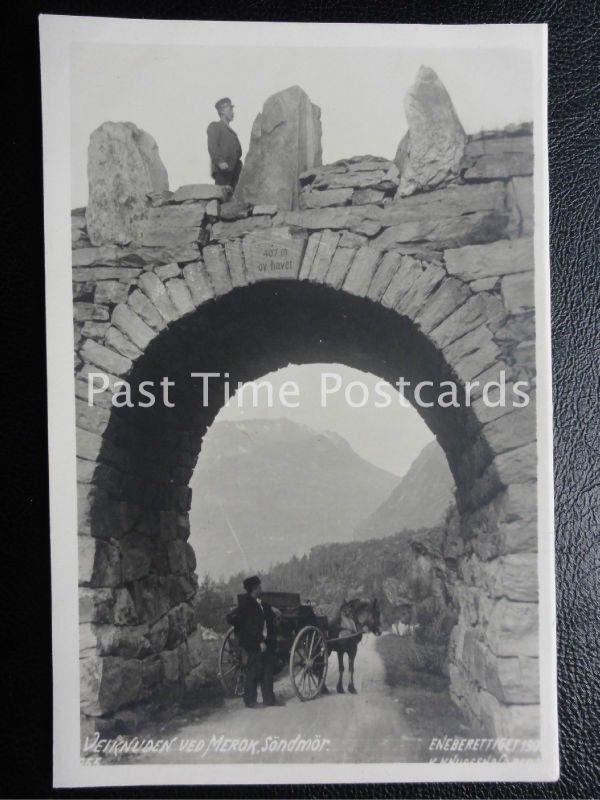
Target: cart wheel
{"points": [[308, 662], [231, 668]]}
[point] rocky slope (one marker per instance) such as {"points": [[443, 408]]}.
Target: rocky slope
{"points": [[420, 500], [266, 490]]}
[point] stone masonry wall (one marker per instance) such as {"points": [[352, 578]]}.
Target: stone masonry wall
{"points": [[458, 262]]}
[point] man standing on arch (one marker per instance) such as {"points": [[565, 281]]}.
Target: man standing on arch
{"points": [[224, 147]]}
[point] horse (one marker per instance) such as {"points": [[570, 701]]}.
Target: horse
{"points": [[354, 618]]}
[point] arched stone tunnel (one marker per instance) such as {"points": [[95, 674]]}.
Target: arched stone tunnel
{"points": [[437, 286]]}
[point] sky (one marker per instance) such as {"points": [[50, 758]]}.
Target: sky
{"points": [[170, 92], [390, 438]]}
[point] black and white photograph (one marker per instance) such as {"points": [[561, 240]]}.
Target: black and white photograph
{"points": [[300, 411]]}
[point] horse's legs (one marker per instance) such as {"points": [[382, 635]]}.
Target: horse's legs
{"points": [[351, 657], [340, 685], [324, 689]]}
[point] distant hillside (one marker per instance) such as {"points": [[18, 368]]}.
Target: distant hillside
{"points": [[266, 490], [420, 500], [330, 573]]}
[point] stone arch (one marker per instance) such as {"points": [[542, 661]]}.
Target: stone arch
{"points": [[446, 275]]}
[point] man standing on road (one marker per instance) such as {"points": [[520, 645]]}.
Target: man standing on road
{"points": [[254, 623], [224, 146]]}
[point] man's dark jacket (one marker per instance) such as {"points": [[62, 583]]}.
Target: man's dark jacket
{"points": [[223, 145], [248, 620]]}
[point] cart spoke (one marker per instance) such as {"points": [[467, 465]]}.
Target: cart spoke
{"points": [[300, 670], [313, 643], [304, 677], [299, 661], [231, 670]]}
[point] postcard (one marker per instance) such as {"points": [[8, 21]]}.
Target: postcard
{"points": [[299, 402]]}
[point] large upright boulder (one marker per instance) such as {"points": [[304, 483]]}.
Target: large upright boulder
{"points": [[124, 167], [430, 153], [285, 141]]}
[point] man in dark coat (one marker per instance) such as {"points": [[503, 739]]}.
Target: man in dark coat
{"points": [[254, 623], [224, 146]]}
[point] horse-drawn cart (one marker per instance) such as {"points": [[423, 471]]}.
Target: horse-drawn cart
{"points": [[301, 646]]}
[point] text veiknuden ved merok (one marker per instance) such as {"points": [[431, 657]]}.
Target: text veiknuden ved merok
{"points": [[217, 743]]}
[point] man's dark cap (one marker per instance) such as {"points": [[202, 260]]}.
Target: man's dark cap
{"points": [[251, 583], [220, 104]]}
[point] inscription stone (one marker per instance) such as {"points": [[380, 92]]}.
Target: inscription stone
{"points": [[273, 254]]}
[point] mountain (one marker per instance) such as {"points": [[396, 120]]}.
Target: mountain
{"points": [[420, 500], [266, 490]]}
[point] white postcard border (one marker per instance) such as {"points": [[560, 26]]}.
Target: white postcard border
{"points": [[57, 33]]}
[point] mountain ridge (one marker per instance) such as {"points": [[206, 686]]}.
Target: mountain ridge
{"points": [[420, 500], [266, 490]]}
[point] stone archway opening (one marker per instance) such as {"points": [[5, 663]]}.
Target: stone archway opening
{"points": [[255, 330], [140, 501]]}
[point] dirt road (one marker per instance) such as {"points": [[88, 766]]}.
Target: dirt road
{"points": [[377, 724]]}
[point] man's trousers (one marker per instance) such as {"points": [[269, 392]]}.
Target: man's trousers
{"points": [[259, 669], [228, 177]]}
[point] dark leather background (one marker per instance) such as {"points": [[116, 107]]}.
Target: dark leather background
{"points": [[575, 188]]}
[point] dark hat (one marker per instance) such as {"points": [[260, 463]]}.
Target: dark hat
{"points": [[251, 583], [224, 101]]}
